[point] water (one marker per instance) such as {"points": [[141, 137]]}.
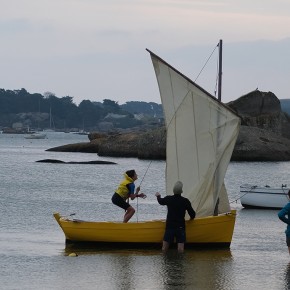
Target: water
{"points": [[32, 249]]}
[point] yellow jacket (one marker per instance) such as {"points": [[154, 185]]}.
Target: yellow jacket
{"points": [[123, 190]]}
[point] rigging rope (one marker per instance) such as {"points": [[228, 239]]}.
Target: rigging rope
{"points": [[217, 77], [161, 139], [252, 187], [137, 206], [145, 173], [206, 63]]}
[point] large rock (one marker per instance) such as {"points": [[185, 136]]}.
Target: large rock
{"points": [[148, 145], [255, 144], [256, 104], [86, 147], [262, 110]]}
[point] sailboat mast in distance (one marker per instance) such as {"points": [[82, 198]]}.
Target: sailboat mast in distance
{"points": [[220, 70]]}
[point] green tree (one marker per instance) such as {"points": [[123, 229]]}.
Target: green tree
{"points": [[90, 114], [111, 106]]}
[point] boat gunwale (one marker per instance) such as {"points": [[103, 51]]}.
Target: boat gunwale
{"points": [[63, 219]]}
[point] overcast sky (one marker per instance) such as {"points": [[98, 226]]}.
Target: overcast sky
{"points": [[95, 49]]}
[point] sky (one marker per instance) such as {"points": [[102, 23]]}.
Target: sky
{"points": [[96, 49]]}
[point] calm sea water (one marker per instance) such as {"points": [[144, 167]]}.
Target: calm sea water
{"points": [[32, 249]]}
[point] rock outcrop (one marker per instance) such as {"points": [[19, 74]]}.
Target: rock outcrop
{"points": [[265, 130], [264, 135], [255, 144], [262, 110], [148, 145]]}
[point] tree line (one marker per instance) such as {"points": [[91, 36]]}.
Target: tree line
{"points": [[39, 110]]}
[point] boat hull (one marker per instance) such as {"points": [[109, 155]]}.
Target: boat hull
{"points": [[263, 197], [208, 231]]}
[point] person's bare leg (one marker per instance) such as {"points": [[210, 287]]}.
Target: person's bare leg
{"points": [[129, 213], [180, 247], [165, 246]]}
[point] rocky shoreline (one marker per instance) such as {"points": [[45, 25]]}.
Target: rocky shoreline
{"points": [[264, 135], [143, 145], [253, 144]]}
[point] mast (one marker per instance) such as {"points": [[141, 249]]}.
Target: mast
{"points": [[220, 70], [216, 210], [50, 117]]}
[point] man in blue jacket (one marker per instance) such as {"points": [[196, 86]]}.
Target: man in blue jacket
{"points": [[284, 216]]}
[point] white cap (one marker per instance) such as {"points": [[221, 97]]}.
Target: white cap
{"points": [[177, 189]]}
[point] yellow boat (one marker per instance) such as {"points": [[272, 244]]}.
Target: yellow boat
{"points": [[201, 135], [207, 231]]}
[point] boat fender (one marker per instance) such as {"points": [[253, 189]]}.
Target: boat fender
{"points": [[73, 255]]}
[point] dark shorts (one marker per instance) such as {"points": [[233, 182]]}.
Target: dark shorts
{"points": [[288, 241], [178, 234], [119, 201]]}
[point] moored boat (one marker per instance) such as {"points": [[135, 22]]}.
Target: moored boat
{"points": [[36, 135], [263, 197]]}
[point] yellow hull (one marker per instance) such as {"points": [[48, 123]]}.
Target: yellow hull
{"points": [[213, 230]]}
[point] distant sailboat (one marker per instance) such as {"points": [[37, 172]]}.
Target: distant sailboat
{"points": [[36, 135], [51, 128]]}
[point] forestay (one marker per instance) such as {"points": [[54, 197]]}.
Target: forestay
{"points": [[201, 134]]}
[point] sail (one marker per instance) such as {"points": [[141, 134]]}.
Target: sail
{"points": [[201, 135]]}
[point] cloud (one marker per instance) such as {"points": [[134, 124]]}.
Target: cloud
{"points": [[91, 49]]}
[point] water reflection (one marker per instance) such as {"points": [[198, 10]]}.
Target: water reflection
{"points": [[198, 269], [94, 249], [173, 270], [151, 269]]}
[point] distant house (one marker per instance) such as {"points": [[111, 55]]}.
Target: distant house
{"points": [[17, 126], [115, 116], [139, 116]]}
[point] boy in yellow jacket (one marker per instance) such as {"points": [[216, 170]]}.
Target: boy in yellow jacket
{"points": [[125, 191]]}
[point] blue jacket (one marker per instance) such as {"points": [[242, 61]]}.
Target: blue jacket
{"points": [[284, 216]]}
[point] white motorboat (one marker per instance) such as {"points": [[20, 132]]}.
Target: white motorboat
{"points": [[264, 197], [36, 135]]}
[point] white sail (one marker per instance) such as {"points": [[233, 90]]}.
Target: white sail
{"points": [[201, 134]]}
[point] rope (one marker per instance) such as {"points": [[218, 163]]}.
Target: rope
{"points": [[252, 187], [217, 77], [206, 62], [145, 172], [285, 185], [162, 136], [137, 210], [137, 206]]}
